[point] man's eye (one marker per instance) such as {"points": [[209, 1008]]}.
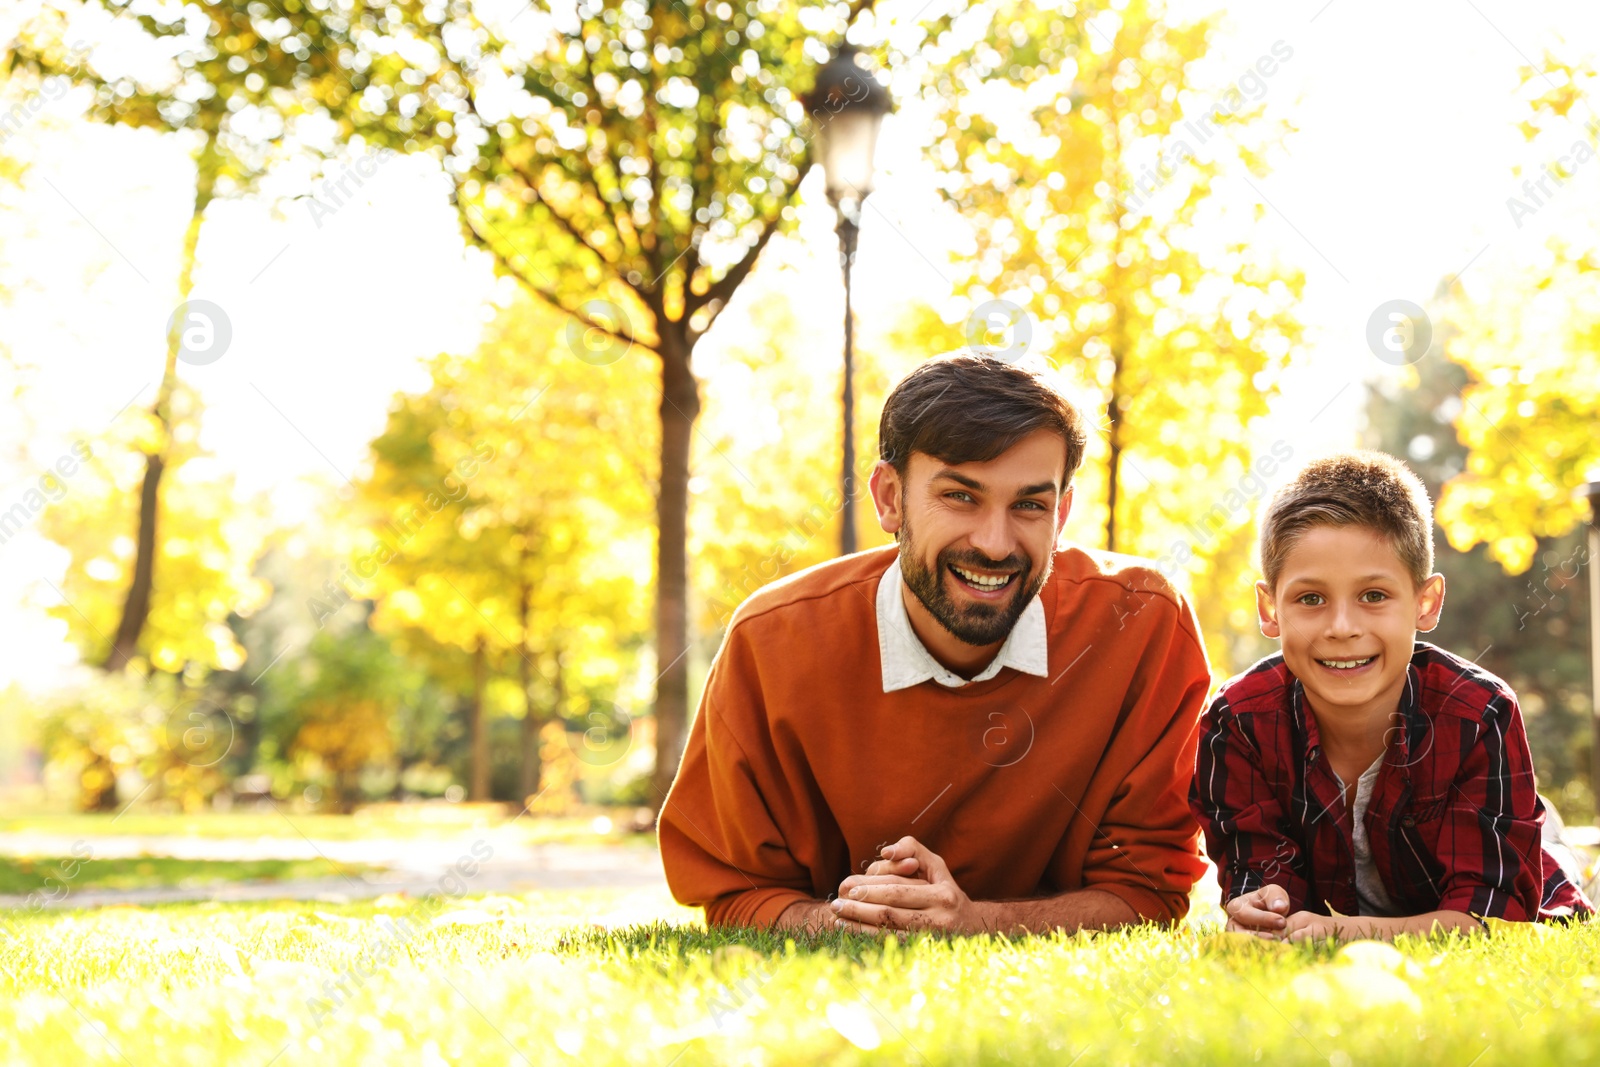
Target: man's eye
{"points": [[958, 493], [1034, 504]]}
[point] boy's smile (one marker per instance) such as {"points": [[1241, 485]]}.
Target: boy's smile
{"points": [[1347, 611]]}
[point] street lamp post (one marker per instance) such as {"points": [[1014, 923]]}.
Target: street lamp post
{"points": [[1592, 490], [847, 108]]}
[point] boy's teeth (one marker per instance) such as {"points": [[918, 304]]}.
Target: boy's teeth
{"points": [[985, 581], [1345, 664]]}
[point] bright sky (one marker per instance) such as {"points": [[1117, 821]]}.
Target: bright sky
{"points": [[1397, 179]]}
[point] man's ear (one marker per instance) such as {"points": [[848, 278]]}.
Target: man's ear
{"points": [[1063, 509], [1267, 611], [1430, 602], [885, 483]]}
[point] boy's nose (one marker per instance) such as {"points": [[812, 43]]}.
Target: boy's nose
{"points": [[1343, 622]]}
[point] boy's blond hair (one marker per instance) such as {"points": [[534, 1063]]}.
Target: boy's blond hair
{"points": [[1369, 489]]}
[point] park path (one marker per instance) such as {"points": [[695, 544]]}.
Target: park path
{"points": [[502, 865]]}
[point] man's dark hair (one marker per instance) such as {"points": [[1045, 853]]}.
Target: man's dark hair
{"points": [[970, 408]]}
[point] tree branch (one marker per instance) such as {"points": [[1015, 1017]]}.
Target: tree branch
{"points": [[566, 223], [544, 294], [708, 145], [857, 7], [723, 289], [717, 295], [616, 211], [652, 254]]}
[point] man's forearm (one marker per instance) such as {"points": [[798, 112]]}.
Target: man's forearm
{"points": [[1080, 909], [809, 916]]}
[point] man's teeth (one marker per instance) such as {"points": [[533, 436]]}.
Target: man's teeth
{"points": [[1345, 664], [983, 581]]}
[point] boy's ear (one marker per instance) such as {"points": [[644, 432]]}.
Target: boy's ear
{"points": [[1267, 611], [1430, 602]]}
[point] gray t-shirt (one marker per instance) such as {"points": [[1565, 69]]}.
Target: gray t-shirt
{"points": [[1371, 895]]}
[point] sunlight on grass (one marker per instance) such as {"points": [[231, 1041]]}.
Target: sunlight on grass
{"points": [[402, 822], [53, 877], [615, 976]]}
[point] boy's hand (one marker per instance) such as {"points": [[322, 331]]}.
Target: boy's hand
{"points": [[1309, 926], [1263, 912]]}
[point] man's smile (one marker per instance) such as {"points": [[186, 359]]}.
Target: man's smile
{"points": [[981, 584]]}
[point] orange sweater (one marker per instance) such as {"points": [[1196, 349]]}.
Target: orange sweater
{"points": [[799, 767]]}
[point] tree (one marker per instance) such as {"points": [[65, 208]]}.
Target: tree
{"points": [[1531, 350], [532, 556], [1083, 149], [403, 538], [1530, 409], [206, 553], [231, 115], [642, 152], [101, 728], [19, 94], [340, 702], [1521, 628], [771, 499], [290, 659]]}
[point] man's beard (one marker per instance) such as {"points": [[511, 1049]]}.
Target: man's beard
{"points": [[976, 623]]}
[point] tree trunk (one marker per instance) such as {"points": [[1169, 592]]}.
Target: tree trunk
{"points": [[346, 784], [680, 406], [478, 774], [98, 785], [136, 605], [558, 699], [1118, 341], [531, 720], [1115, 418]]}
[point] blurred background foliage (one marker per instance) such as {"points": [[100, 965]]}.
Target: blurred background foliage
{"points": [[478, 612]]}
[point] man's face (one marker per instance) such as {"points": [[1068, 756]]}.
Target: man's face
{"points": [[977, 540], [1348, 612]]}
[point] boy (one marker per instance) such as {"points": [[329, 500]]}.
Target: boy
{"points": [[1362, 783]]}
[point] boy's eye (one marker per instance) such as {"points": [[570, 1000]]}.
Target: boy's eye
{"points": [[1374, 596], [1310, 600]]}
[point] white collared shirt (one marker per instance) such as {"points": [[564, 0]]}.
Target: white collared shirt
{"points": [[907, 661]]}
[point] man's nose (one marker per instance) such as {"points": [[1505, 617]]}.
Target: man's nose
{"points": [[993, 537]]}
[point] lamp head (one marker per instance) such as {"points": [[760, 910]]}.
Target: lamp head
{"points": [[847, 106]]}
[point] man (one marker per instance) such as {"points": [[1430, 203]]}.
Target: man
{"points": [[969, 731]]}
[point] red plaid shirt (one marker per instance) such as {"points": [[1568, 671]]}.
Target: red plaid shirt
{"points": [[1454, 821]]}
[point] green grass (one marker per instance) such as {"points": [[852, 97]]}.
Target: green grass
{"points": [[417, 823], [534, 980], [55, 877]]}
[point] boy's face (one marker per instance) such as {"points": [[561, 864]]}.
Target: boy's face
{"points": [[1348, 612]]}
